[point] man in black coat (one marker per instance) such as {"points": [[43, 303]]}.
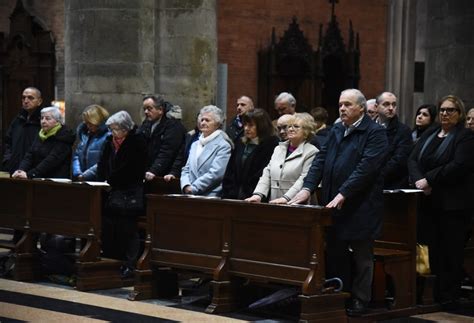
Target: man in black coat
{"points": [[23, 130], [348, 166], [164, 135], [395, 170], [236, 127]]}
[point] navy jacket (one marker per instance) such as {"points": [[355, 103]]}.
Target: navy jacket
{"points": [[351, 166], [241, 178], [395, 170], [20, 136]]}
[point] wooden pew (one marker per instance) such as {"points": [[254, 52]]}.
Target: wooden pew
{"points": [[229, 239], [395, 252], [74, 210]]}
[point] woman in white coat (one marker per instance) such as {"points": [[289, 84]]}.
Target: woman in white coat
{"points": [[284, 174], [208, 156]]}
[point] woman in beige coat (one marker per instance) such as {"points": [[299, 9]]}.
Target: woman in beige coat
{"points": [[284, 174]]}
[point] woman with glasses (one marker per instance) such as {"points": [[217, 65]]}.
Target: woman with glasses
{"points": [[439, 165], [291, 159], [122, 164]]}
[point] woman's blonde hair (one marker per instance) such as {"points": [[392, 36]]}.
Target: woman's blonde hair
{"points": [[95, 114], [307, 124]]}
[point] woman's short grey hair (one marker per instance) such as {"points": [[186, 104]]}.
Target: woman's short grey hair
{"points": [[122, 119], [55, 113], [286, 97], [217, 114], [360, 97]]}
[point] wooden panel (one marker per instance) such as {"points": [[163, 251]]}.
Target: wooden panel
{"points": [[13, 207]]}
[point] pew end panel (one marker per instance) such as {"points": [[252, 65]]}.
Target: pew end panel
{"points": [[395, 253]]}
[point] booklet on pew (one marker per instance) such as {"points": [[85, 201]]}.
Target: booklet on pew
{"points": [[57, 180], [404, 190], [92, 183]]}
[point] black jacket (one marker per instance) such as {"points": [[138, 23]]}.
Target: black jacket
{"points": [[400, 143], [240, 179], [19, 138], [447, 169], [164, 144], [50, 158], [126, 168]]}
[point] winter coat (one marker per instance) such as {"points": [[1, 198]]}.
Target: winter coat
{"points": [[205, 173], [164, 144], [284, 175], [241, 177], [88, 150], [400, 144], [351, 166], [20, 136], [50, 158]]}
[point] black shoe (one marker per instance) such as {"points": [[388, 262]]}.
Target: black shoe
{"points": [[126, 272], [357, 308]]}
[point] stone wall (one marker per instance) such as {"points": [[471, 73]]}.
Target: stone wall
{"points": [[119, 50]]}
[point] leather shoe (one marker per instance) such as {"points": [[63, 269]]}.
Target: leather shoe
{"points": [[357, 308], [126, 272]]}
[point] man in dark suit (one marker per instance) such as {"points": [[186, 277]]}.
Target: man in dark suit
{"points": [[349, 166], [236, 127], [164, 134], [395, 170]]}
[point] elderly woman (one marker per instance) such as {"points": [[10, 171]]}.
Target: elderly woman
{"points": [[50, 154], [470, 119], [425, 117], [122, 164], [251, 154], [91, 134], [439, 165], [284, 174], [208, 156]]}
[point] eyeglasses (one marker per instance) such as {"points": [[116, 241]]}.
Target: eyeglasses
{"points": [[294, 126], [280, 128], [449, 110]]}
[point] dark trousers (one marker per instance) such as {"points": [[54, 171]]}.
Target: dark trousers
{"points": [[353, 262], [120, 237], [446, 241]]}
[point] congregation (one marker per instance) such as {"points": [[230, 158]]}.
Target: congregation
{"points": [[284, 161]]}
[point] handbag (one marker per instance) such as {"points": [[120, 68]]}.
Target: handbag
{"points": [[422, 259], [130, 199]]}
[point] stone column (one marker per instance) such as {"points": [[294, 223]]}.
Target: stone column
{"points": [[400, 61], [116, 51], [450, 50]]}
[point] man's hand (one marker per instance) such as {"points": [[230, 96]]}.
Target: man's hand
{"points": [[19, 174], [422, 184], [169, 178], [336, 202], [301, 197], [149, 176]]}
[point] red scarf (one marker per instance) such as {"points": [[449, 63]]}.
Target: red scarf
{"points": [[117, 142]]}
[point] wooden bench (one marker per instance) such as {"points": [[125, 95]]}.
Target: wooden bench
{"points": [[73, 210], [395, 253], [229, 239]]}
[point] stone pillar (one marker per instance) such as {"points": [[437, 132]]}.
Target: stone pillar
{"points": [[401, 36], [186, 54], [116, 51], [450, 50]]}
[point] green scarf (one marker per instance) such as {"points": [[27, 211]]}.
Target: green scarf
{"points": [[45, 135]]}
